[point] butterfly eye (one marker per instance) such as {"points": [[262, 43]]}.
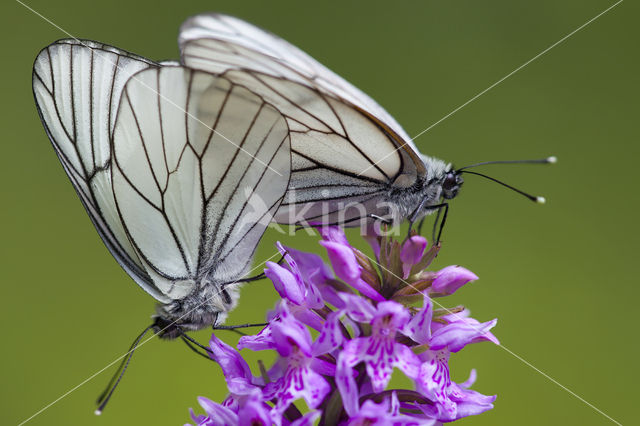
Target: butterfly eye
{"points": [[451, 185]]}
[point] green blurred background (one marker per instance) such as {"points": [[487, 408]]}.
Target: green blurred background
{"points": [[561, 278]]}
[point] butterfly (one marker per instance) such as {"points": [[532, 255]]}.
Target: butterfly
{"points": [[167, 162], [351, 160]]}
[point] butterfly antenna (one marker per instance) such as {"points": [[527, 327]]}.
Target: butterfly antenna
{"points": [[539, 200], [548, 160], [105, 396], [260, 276]]}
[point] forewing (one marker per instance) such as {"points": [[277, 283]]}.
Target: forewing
{"points": [[200, 166], [340, 155], [216, 42], [346, 149], [77, 86]]}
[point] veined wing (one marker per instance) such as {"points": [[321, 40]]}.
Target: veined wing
{"points": [[200, 166], [217, 42], [77, 86], [336, 152], [345, 147]]}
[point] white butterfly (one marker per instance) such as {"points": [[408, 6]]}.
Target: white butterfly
{"points": [[350, 159], [161, 157]]}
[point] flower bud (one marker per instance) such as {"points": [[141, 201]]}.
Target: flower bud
{"points": [[451, 278]]}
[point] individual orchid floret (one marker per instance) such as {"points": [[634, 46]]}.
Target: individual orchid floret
{"points": [[412, 251], [461, 332], [346, 267], [237, 373], [454, 331], [419, 328], [259, 342], [216, 414], [450, 279], [290, 283], [298, 377], [380, 351], [450, 400], [334, 234], [344, 262]]}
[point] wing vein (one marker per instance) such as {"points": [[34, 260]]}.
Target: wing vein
{"points": [[144, 145], [264, 170], [224, 210]]}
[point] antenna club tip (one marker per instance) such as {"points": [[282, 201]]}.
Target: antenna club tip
{"points": [[541, 200], [552, 160], [97, 412]]}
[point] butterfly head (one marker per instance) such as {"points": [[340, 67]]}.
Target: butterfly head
{"points": [[443, 181]]}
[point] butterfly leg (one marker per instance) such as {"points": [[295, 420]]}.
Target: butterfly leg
{"points": [[414, 217], [421, 223], [235, 328], [440, 208], [435, 225], [258, 277], [196, 346]]}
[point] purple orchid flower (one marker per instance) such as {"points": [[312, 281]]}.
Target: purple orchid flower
{"points": [[344, 262], [461, 331], [412, 252], [298, 373], [240, 381], [291, 285], [380, 351], [217, 414], [362, 336], [450, 401], [450, 279]]}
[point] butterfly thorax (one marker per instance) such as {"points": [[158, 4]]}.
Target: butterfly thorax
{"points": [[208, 305]]}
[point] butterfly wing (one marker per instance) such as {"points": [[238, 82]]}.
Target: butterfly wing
{"points": [[77, 86], [200, 166], [237, 44], [346, 149]]}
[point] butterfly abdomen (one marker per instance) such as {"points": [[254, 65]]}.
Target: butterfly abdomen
{"points": [[207, 306]]}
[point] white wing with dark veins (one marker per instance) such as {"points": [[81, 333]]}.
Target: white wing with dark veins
{"points": [[194, 156], [77, 86], [345, 147]]}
